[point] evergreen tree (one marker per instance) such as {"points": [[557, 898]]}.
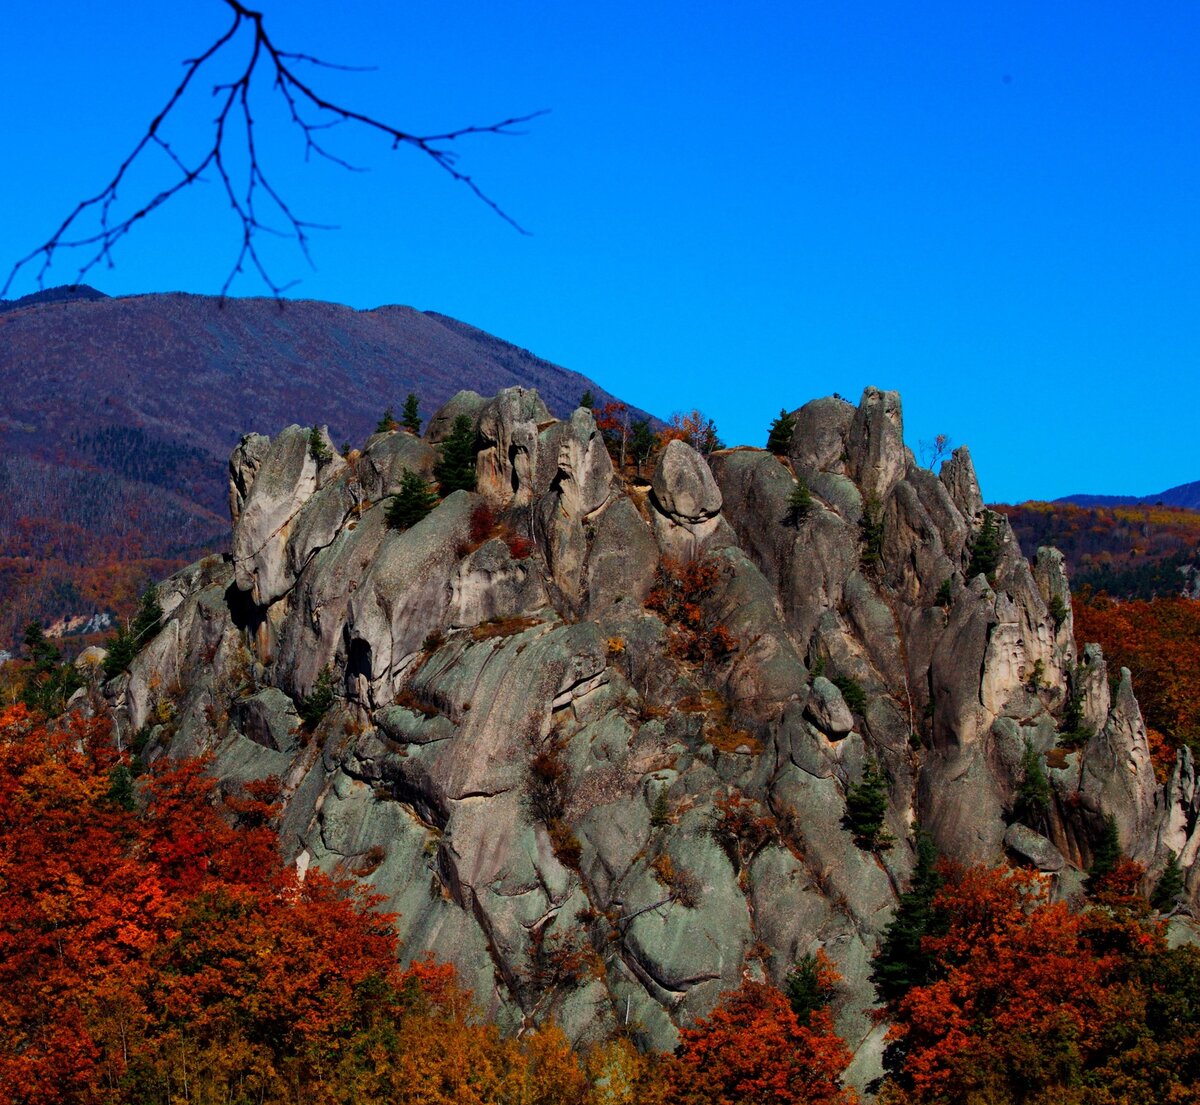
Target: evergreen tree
{"points": [[1033, 794], [315, 705], [120, 788], [800, 503], [120, 652], [866, 807], [148, 619], [42, 652], [660, 815], [123, 645], [410, 418], [1169, 885], [456, 468], [985, 549], [387, 423], [48, 682], [641, 443], [807, 987], [587, 399], [1074, 729], [780, 435], [1105, 857], [901, 964], [317, 449], [411, 503], [870, 527]]}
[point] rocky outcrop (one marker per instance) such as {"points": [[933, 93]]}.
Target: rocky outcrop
{"points": [[532, 759]]}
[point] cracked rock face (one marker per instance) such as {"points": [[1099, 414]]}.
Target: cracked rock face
{"points": [[521, 756]]}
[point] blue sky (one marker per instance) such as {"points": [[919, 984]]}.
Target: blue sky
{"points": [[992, 208]]}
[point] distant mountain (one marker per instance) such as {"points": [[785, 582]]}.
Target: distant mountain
{"points": [[1186, 495], [61, 294], [1129, 549], [119, 415]]}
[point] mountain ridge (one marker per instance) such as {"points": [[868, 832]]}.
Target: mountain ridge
{"points": [[140, 399], [1186, 495]]}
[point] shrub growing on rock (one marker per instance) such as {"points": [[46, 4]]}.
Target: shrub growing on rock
{"points": [[315, 705], [780, 435], [866, 808], [985, 549], [1033, 793], [800, 503], [410, 417], [455, 469], [870, 527], [411, 503]]}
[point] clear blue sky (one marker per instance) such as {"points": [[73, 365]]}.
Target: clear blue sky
{"points": [[994, 208]]}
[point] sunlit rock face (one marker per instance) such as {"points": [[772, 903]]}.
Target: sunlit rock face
{"points": [[550, 693]]}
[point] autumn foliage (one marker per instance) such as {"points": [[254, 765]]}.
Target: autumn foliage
{"points": [[753, 1050], [166, 954], [1031, 1001], [1159, 642], [682, 594]]}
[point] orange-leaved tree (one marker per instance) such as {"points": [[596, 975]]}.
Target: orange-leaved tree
{"points": [[753, 1050], [1032, 1001], [165, 953]]}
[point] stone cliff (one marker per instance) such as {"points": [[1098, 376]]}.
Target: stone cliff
{"points": [[611, 813]]}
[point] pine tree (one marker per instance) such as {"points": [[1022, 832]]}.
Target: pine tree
{"points": [[985, 549], [641, 443], [1169, 885], [120, 652], [315, 705], [800, 503], [870, 527], [317, 449], [1105, 857], [123, 645], [1033, 794], [780, 435], [387, 423], [148, 619], [587, 399], [456, 469], [866, 807], [807, 987], [42, 652], [901, 964], [411, 503], [410, 418]]}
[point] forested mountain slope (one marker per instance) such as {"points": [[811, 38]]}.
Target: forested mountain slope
{"points": [[119, 414]]}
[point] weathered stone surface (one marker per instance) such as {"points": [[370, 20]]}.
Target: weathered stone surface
{"points": [[470, 403], [580, 488], [491, 584], [459, 658], [819, 438], [1116, 775], [683, 486], [508, 437], [827, 708], [244, 464], [1034, 848], [875, 444], [958, 474], [385, 460], [285, 479], [269, 718]]}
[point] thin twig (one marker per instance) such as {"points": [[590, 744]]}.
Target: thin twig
{"points": [[246, 195]]}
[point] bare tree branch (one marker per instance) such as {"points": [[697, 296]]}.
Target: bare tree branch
{"points": [[252, 196]]}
